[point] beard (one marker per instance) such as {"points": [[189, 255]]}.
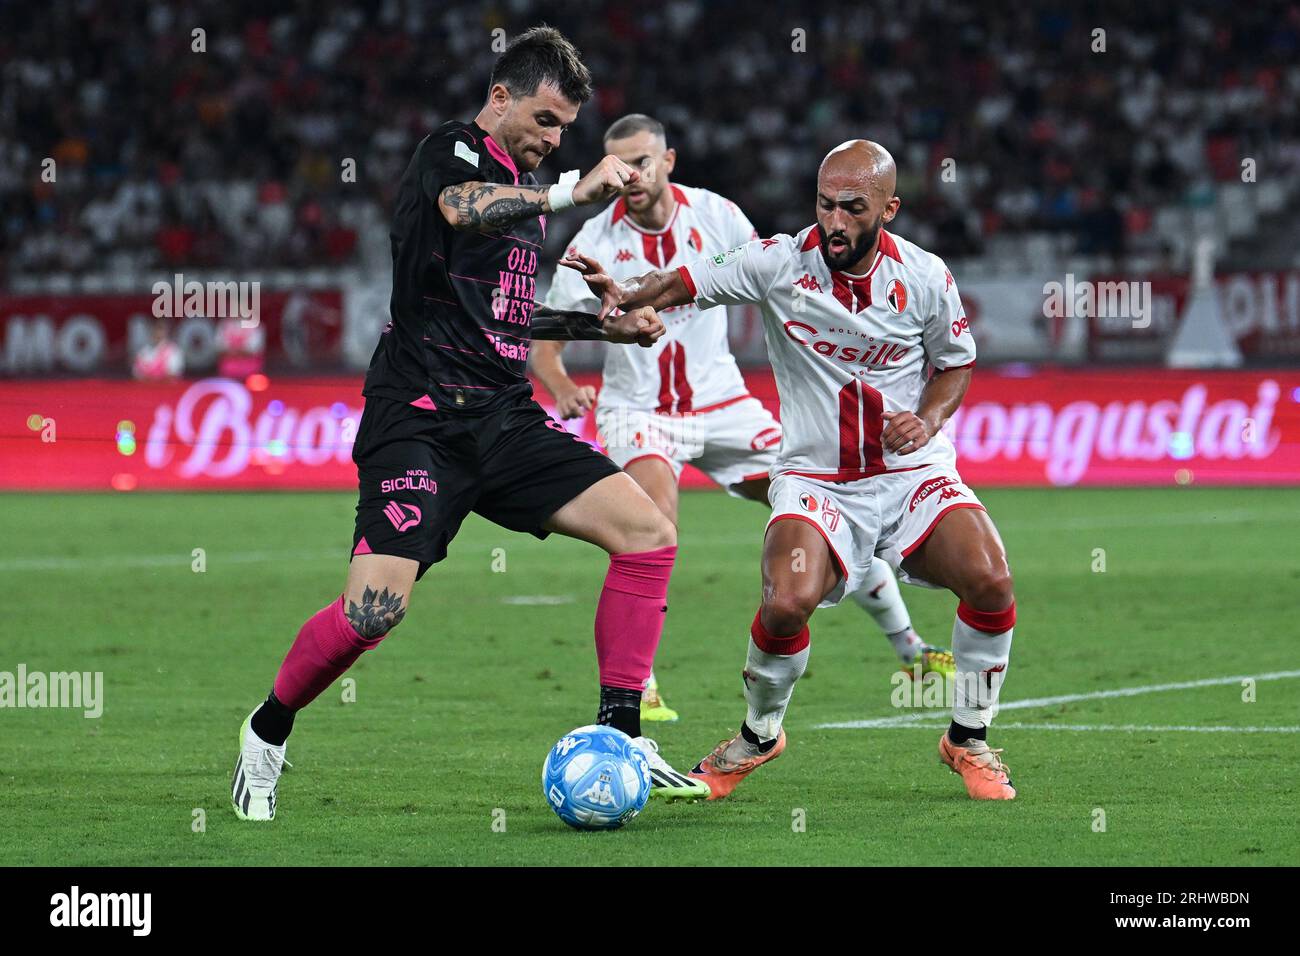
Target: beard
{"points": [[854, 251]]}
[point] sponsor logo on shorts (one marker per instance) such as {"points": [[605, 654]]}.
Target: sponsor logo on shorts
{"points": [[415, 479], [808, 503], [930, 487], [766, 438], [404, 517]]}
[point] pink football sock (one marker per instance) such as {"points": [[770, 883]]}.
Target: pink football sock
{"points": [[325, 648], [630, 616]]}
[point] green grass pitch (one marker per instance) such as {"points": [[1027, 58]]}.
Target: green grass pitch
{"points": [[454, 713]]}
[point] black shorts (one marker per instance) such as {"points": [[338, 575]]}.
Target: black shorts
{"points": [[421, 472]]}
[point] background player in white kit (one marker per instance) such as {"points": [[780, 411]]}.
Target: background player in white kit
{"points": [[853, 316], [684, 399]]}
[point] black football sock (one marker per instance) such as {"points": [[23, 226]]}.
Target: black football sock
{"points": [[620, 708], [752, 738], [273, 721], [959, 734]]}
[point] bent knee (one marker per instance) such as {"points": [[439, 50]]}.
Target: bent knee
{"points": [[992, 590], [654, 530], [785, 615], [374, 611]]}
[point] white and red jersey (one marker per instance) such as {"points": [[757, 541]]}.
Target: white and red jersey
{"points": [[158, 362], [844, 348], [691, 367]]}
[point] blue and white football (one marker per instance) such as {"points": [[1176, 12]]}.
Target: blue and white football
{"points": [[596, 778]]}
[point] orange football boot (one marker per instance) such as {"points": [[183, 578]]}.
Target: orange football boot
{"points": [[731, 762], [982, 770]]}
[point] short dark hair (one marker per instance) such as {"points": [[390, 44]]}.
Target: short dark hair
{"points": [[634, 123], [541, 55]]}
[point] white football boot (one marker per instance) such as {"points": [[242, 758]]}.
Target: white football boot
{"points": [[257, 771], [665, 782]]}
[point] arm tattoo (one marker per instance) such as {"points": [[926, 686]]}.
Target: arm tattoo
{"points": [[480, 206], [377, 614]]}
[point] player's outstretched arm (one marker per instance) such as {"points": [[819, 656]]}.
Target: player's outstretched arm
{"points": [[635, 327], [658, 290], [491, 207], [905, 432]]}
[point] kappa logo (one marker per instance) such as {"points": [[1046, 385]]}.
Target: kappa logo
{"points": [[769, 242], [930, 487], [896, 296], [623, 255], [951, 493], [766, 438], [808, 503], [947, 280], [809, 282], [403, 516]]}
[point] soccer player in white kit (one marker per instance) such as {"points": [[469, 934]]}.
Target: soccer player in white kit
{"points": [[853, 316], [684, 400]]}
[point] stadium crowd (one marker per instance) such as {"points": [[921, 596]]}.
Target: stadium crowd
{"points": [[235, 156]]}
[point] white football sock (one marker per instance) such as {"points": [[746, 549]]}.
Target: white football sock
{"points": [[769, 684], [982, 660], [880, 597]]}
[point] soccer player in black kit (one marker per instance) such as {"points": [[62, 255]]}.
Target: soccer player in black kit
{"points": [[450, 425]]}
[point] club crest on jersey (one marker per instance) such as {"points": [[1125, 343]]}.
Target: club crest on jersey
{"points": [[930, 487], [694, 240], [808, 503], [896, 296]]}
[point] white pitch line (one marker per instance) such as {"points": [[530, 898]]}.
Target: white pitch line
{"points": [[182, 559], [1129, 728], [905, 719]]}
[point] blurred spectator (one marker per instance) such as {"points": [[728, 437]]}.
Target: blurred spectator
{"points": [[243, 349], [1004, 119], [161, 360]]}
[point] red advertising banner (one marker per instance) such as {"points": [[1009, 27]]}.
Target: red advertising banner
{"points": [[1016, 427], [98, 334]]}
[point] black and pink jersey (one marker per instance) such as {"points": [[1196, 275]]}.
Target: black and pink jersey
{"points": [[462, 302]]}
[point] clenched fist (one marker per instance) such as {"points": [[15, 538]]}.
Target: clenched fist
{"points": [[641, 326], [605, 181]]}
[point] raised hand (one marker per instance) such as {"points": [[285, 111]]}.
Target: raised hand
{"points": [[605, 181], [598, 280]]}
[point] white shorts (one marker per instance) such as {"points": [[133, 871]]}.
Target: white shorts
{"points": [[889, 516], [731, 444]]}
